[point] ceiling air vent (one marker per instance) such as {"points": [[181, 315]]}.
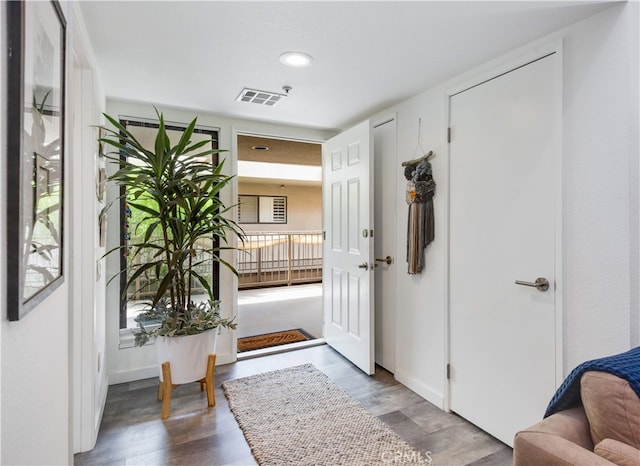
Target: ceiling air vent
{"points": [[270, 99]]}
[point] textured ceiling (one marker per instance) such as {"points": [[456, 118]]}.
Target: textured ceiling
{"points": [[280, 151], [368, 55]]}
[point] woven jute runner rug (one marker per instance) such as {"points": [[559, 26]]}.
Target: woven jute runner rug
{"points": [[297, 416]]}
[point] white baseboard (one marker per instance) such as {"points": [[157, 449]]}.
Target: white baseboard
{"points": [[102, 401], [150, 372], [420, 388], [133, 375]]}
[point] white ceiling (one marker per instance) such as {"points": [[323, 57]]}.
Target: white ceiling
{"points": [[367, 55]]}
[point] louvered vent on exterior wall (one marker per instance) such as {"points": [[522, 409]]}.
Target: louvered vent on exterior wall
{"points": [[270, 99], [279, 210]]}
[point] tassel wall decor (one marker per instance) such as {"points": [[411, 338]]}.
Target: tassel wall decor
{"points": [[420, 224]]}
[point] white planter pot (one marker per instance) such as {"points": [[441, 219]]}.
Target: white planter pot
{"points": [[187, 355]]}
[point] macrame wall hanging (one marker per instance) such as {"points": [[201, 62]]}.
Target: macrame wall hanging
{"points": [[420, 191]]}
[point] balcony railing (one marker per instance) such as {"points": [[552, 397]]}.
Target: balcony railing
{"points": [[279, 258], [265, 259], [146, 284]]}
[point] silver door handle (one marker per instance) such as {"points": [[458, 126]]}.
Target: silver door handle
{"points": [[387, 259], [541, 283]]}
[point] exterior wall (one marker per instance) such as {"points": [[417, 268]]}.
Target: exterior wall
{"points": [[600, 223], [304, 207]]}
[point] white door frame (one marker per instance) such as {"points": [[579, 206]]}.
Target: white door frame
{"points": [[88, 377], [522, 58], [232, 167], [392, 218]]}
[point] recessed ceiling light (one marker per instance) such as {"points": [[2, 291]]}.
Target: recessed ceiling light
{"points": [[296, 59]]}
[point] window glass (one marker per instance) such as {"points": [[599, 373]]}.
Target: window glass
{"points": [[262, 209], [133, 222]]}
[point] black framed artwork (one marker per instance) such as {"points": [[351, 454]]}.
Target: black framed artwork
{"points": [[36, 33]]}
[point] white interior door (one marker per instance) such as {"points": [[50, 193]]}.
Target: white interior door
{"points": [[505, 154], [348, 253], [385, 195]]}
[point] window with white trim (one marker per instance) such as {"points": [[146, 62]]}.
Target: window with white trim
{"points": [[132, 302], [262, 209]]}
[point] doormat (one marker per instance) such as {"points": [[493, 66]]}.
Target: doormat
{"points": [[272, 339], [299, 417]]}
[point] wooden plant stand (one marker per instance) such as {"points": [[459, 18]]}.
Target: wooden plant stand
{"points": [[166, 387]]}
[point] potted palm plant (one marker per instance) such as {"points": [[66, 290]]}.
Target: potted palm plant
{"points": [[175, 188]]}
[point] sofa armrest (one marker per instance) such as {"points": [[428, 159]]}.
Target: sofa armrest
{"points": [[570, 424], [543, 448], [618, 452], [561, 439]]}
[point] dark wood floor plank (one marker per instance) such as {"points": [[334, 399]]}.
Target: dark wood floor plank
{"points": [[133, 433]]}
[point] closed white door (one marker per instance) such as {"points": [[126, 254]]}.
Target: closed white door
{"points": [[505, 154], [348, 277], [385, 171]]}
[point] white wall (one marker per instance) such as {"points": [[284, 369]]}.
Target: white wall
{"points": [[41, 400], [35, 360], [600, 200], [634, 177], [420, 320], [90, 382], [598, 143], [125, 364]]}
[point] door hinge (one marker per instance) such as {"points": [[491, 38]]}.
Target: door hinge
{"points": [[324, 236], [448, 371], [448, 135]]}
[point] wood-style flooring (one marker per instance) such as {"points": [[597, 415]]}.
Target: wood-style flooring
{"points": [[132, 432]]}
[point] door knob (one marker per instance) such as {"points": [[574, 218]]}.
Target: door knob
{"points": [[364, 265], [541, 283], [387, 259]]}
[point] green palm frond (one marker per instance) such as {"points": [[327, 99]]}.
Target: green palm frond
{"points": [[176, 188]]}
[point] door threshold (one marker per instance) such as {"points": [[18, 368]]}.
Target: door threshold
{"points": [[281, 349]]}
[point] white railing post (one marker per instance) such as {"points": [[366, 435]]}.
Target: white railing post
{"points": [[289, 259]]}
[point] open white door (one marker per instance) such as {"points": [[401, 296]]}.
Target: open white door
{"points": [[347, 196]]}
